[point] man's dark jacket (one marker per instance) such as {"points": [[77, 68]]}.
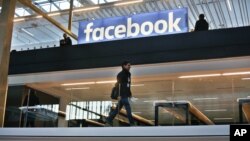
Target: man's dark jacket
{"points": [[124, 79]]}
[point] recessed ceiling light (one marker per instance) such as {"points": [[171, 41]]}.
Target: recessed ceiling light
{"points": [[86, 9], [212, 98], [223, 118], [84, 88], [236, 73], [245, 78], [199, 76], [54, 14], [126, 3], [136, 112], [80, 83], [106, 82], [216, 110], [18, 19], [229, 5], [137, 85]]}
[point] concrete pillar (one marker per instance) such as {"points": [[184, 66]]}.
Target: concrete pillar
{"points": [[6, 27]]}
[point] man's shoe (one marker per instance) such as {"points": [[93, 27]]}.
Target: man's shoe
{"points": [[133, 124], [108, 123]]}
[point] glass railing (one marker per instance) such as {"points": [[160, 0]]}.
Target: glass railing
{"points": [[163, 100]]}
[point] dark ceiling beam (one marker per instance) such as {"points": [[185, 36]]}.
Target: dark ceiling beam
{"points": [[70, 14], [29, 10], [53, 2], [84, 2], [39, 6], [54, 22]]}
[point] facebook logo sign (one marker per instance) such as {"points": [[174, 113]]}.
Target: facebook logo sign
{"points": [[136, 26]]}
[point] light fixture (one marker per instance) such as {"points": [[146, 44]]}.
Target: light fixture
{"points": [[54, 14], [40, 16], [147, 101], [81, 83], [137, 85], [236, 73], [223, 118], [106, 82], [86, 9], [245, 78], [199, 76], [136, 112], [84, 88], [216, 110], [212, 98], [179, 6], [127, 2], [27, 32], [229, 5], [19, 19]]}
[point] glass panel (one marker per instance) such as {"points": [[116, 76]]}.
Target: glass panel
{"points": [[241, 85], [53, 8], [30, 108], [46, 7], [182, 100], [26, 13], [102, 1], [63, 5], [211, 96], [20, 11], [77, 3], [41, 1]]}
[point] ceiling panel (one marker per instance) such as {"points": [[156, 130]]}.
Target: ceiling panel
{"points": [[219, 14]]}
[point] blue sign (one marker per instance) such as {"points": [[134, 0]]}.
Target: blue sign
{"points": [[136, 26]]}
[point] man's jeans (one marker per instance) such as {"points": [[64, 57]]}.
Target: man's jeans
{"points": [[122, 102]]}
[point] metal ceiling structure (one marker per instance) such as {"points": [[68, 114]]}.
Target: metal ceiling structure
{"points": [[31, 31]]}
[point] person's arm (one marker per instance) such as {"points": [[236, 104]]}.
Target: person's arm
{"points": [[196, 26], [207, 25], [69, 41], [118, 85], [130, 93]]}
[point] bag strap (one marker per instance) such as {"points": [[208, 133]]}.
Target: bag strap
{"points": [[119, 92], [119, 88]]}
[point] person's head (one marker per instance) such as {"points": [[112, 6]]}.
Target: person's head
{"points": [[201, 16], [64, 35], [126, 65]]}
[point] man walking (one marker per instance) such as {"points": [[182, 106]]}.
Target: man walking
{"points": [[124, 80]]}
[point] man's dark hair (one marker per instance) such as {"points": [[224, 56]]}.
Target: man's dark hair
{"points": [[201, 16], [125, 63]]}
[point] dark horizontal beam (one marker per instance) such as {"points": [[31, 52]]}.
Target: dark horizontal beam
{"points": [[158, 49]]}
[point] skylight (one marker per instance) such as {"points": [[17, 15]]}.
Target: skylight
{"points": [[103, 1], [46, 7], [53, 8], [22, 12], [41, 1], [62, 5], [77, 3]]}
